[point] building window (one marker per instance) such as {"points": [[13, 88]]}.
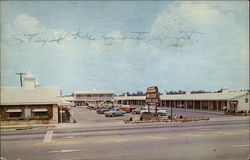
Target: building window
{"points": [[15, 114], [40, 114]]}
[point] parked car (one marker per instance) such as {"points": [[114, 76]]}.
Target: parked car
{"points": [[102, 110], [138, 110], [114, 112], [160, 112], [127, 108]]}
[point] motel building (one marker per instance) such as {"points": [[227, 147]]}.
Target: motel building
{"points": [[231, 101], [32, 102], [94, 98]]}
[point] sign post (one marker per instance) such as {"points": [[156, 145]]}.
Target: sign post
{"points": [[153, 98]]}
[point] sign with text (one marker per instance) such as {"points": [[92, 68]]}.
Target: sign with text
{"points": [[152, 96]]}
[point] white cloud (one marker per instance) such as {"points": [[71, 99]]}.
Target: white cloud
{"points": [[26, 23], [223, 44]]}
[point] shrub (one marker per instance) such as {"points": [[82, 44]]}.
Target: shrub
{"points": [[28, 118]]}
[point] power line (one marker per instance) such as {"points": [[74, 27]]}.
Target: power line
{"points": [[21, 74]]}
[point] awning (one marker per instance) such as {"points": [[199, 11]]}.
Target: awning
{"points": [[13, 110], [40, 110], [65, 103]]}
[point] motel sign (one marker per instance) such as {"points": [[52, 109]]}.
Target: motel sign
{"points": [[152, 96]]}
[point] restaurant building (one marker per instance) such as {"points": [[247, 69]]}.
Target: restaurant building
{"points": [[31, 102]]}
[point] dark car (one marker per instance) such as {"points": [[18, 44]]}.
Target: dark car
{"points": [[102, 110]]}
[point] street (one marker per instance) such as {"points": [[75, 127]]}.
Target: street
{"points": [[215, 139]]}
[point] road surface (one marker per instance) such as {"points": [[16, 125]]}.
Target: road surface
{"points": [[206, 140]]}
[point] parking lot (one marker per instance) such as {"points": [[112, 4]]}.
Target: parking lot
{"points": [[84, 115]]}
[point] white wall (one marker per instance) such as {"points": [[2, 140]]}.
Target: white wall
{"points": [[242, 105]]}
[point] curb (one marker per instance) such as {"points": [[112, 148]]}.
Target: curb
{"points": [[166, 120], [26, 127]]}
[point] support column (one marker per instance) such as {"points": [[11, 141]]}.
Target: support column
{"points": [[217, 106], [55, 114], [228, 105], [200, 105], [193, 105], [208, 108], [186, 104]]}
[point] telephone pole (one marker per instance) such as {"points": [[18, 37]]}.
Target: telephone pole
{"points": [[21, 74]]}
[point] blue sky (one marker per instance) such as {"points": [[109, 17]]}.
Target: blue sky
{"points": [[126, 46]]}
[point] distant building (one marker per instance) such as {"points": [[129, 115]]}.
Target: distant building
{"points": [[93, 98], [33, 102], [233, 101], [69, 99]]}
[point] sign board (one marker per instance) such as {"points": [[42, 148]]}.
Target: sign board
{"points": [[246, 100], [152, 96]]}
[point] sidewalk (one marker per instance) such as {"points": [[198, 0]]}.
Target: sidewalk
{"points": [[22, 127], [231, 118], [89, 125], [199, 111], [119, 123]]}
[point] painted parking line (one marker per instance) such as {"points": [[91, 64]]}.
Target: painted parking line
{"points": [[238, 146], [65, 151], [207, 129], [114, 140], [226, 133], [70, 137], [193, 135], [48, 140], [55, 143], [106, 156], [48, 137], [155, 137], [100, 156], [244, 130]]}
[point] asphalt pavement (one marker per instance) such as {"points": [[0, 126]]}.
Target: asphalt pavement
{"points": [[97, 137], [191, 141]]}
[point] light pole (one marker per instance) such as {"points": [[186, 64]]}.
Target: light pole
{"points": [[21, 74]]}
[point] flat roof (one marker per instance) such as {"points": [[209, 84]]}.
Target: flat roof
{"points": [[203, 96], [94, 92]]}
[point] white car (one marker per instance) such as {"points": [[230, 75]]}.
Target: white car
{"points": [[160, 112]]}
